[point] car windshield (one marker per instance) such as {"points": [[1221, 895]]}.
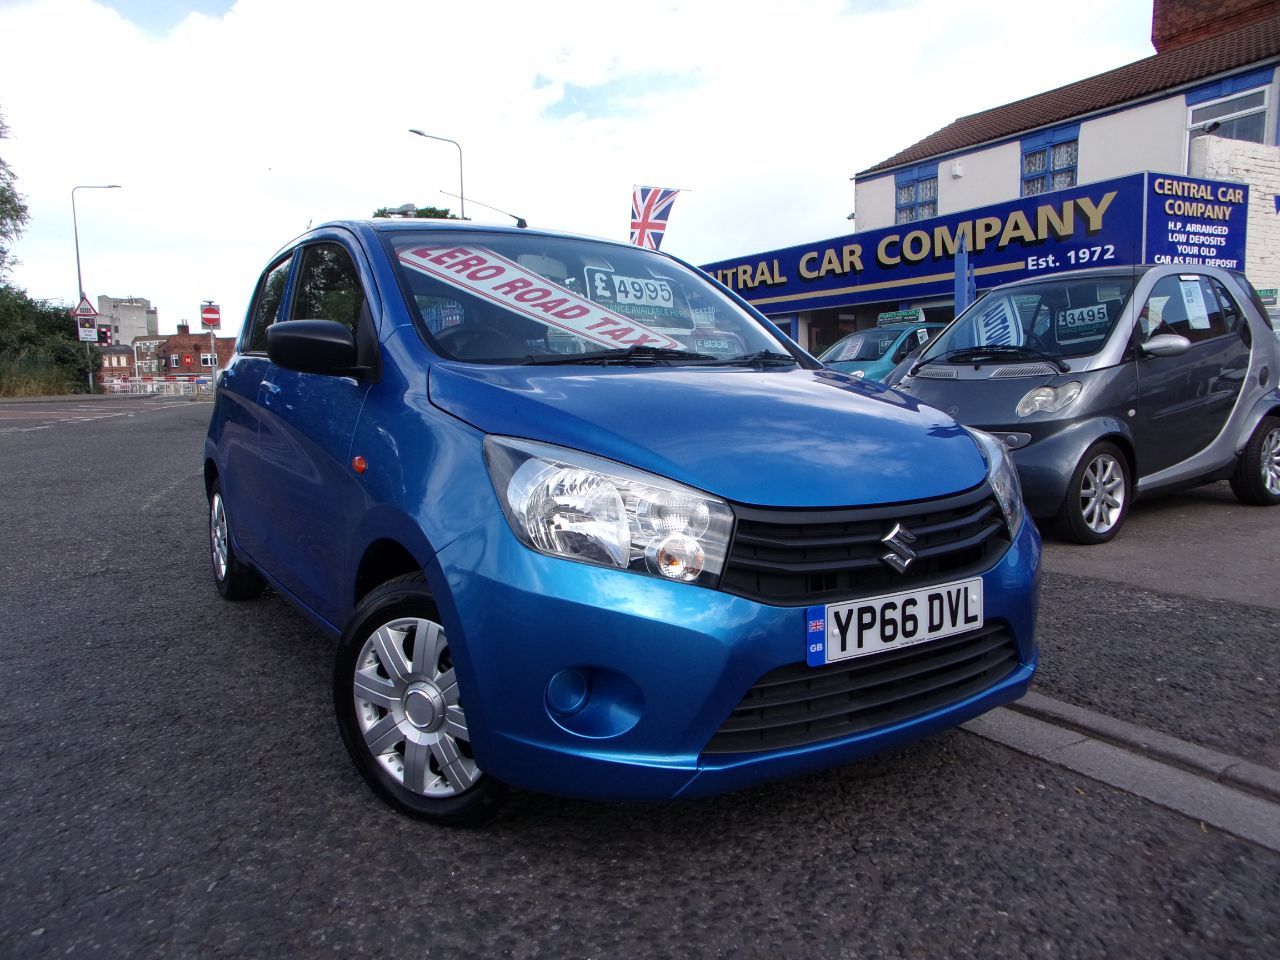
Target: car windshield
{"points": [[867, 345], [1052, 319], [529, 298]]}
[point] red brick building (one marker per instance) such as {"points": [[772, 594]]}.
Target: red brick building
{"points": [[186, 354]]}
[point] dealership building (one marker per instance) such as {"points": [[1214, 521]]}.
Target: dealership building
{"points": [[1172, 159]]}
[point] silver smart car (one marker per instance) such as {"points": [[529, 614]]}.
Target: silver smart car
{"points": [[1110, 384]]}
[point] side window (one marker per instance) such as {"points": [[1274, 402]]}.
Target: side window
{"points": [[908, 343], [1183, 305], [328, 286], [266, 305], [1230, 309]]}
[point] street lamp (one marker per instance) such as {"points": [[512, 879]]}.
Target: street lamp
{"points": [[462, 194], [75, 226]]}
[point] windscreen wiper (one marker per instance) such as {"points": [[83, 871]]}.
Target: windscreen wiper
{"points": [[991, 352], [767, 358], [641, 353]]}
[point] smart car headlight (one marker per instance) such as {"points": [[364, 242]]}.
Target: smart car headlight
{"points": [[569, 504], [1048, 399], [1003, 477]]}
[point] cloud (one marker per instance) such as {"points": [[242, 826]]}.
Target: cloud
{"points": [[232, 133]]}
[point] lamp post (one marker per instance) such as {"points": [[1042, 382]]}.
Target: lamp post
{"points": [[462, 194], [75, 227]]}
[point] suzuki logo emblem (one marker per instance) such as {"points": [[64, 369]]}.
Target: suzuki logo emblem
{"points": [[900, 555]]}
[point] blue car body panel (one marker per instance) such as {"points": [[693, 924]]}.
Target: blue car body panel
{"points": [[668, 661]]}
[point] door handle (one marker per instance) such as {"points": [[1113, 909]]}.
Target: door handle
{"points": [[269, 390]]}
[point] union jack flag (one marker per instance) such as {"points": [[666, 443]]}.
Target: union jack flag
{"points": [[650, 207]]}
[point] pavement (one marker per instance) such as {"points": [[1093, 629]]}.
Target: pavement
{"points": [[172, 783]]}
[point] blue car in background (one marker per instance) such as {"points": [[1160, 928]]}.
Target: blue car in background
{"points": [[875, 352], [583, 522]]}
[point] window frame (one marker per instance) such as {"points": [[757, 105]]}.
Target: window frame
{"points": [[913, 177], [1264, 109], [1046, 142], [246, 344]]}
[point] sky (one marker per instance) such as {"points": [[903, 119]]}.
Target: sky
{"points": [[233, 126]]}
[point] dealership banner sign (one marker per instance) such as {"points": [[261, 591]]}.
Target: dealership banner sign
{"points": [[1142, 218]]}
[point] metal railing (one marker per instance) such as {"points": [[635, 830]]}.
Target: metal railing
{"points": [[196, 389]]}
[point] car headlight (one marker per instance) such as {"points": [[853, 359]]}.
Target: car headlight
{"points": [[1003, 477], [569, 504], [1048, 399]]}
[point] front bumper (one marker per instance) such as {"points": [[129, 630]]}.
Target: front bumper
{"points": [[658, 667]]}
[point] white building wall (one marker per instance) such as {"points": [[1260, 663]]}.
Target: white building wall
{"points": [[874, 202], [987, 176], [1152, 136], [1259, 166]]}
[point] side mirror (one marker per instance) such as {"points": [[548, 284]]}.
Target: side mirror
{"points": [[1161, 345], [313, 346]]}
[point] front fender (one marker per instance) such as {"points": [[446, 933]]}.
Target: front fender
{"points": [[1046, 464]]}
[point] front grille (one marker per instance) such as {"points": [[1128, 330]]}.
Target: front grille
{"points": [[793, 557], [798, 705]]}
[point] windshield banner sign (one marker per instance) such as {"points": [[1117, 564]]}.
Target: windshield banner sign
{"points": [[498, 280]]}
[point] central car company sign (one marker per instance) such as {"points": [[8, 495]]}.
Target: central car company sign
{"points": [[1146, 217]]}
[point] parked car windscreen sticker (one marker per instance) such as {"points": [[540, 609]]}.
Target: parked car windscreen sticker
{"points": [[650, 298], [1083, 323], [998, 325], [494, 278]]}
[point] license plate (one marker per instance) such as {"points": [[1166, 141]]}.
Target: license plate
{"points": [[858, 628]]}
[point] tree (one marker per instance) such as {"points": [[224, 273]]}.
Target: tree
{"points": [[422, 213], [13, 211]]}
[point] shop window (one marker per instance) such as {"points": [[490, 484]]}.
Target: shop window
{"points": [[1049, 160], [916, 193]]}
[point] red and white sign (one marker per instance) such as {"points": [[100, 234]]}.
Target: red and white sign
{"points": [[499, 280], [84, 309], [210, 315], [188, 360]]}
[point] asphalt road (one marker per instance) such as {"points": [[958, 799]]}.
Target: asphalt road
{"points": [[172, 783]]}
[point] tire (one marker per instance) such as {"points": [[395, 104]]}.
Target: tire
{"points": [[234, 580], [1257, 477], [1098, 496], [396, 698]]}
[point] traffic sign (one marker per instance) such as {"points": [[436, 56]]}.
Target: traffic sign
{"points": [[84, 309], [88, 330], [210, 315]]}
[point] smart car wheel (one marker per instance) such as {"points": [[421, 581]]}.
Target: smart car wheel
{"points": [[1257, 477], [400, 712], [1097, 497], [235, 580]]}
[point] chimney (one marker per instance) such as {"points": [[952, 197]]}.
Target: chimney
{"points": [[184, 330], [1177, 23]]}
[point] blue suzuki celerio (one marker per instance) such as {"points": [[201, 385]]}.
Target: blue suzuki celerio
{"points": [[586, 523]]}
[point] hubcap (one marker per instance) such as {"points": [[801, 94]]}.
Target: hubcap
{"points": [[409, 710], [218, 536], [1271, 462], [1102, 493]]}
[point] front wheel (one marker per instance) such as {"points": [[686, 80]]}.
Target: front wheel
{"points": [[1098, 496], [400, 712], [234, 580], [1257, 477]]}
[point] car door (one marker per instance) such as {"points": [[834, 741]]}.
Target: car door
{"points": [[309, 491], [1183, 402], [240, 414]]}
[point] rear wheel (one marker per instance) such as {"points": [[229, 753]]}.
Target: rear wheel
{"points": [[1257, 477], [1098, 496], [400, 712], [235, 580]]}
